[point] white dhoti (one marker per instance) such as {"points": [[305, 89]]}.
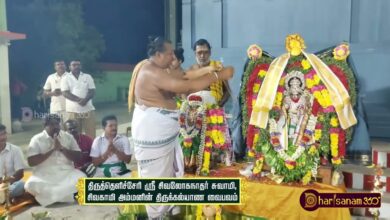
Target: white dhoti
{"points": [[157, 150], [55, 178], [53, 184]]}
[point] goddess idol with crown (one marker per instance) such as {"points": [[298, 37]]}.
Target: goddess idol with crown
{"points": [[297, 109], [204, 133]]}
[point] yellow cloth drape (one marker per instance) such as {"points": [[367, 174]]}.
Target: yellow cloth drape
{"points": [[265, 199], [131, 98], [338, 93], [266, 97], [274, 201]]}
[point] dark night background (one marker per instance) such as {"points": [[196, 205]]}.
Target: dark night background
{"points": [[124, 25]]}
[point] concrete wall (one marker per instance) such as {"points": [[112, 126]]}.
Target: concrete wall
{"points": [[112, 87], [232, 25]]}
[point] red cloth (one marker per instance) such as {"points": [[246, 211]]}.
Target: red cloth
{"points": [[85, 144]]}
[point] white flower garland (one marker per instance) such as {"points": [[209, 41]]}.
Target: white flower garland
{"points": [[300, 149]]}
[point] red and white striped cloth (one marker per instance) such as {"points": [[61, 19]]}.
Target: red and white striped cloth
{"points": [[381, 158], [364, 181]]}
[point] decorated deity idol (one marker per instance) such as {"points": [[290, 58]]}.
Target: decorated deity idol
{"points": [[297, 104], [204, 129], [204, 133], [298, 109]]}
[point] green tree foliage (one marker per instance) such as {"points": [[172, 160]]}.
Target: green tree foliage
{"points": [[77, 40], [56, 30]]}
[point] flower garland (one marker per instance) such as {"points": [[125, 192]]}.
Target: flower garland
{"points": [[247, 94], [294, 162], [340, 66], [202, 146], [209, 130], [290, 161], [216, 88], [214, 136], [326, 136], [319, 91], [218, 128], [334, 141], [254, 84], [195, 133], [199, 212], [189, 132], [206, 156]]}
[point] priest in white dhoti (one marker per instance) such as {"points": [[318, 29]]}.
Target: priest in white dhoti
{"points": [[155, 127], [51, 154]]}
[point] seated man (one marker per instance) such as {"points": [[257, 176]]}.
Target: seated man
{"points": [[11, 165], [111, 151], [52, 153], [85, 144]]}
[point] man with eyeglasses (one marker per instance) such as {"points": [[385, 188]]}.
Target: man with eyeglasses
{"points": [[202, 51], [217, 94]]}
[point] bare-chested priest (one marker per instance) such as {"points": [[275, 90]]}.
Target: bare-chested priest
{"points": [[155, 127]]}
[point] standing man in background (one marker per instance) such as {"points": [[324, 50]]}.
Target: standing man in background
{"points": [[52, 88], [217, 94], [202, 51], [79, 88]]}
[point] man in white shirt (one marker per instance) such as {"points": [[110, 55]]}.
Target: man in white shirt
{"points": [[52, 153], [79, 88], [12, 165], [52, 89], [111, 151]]}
